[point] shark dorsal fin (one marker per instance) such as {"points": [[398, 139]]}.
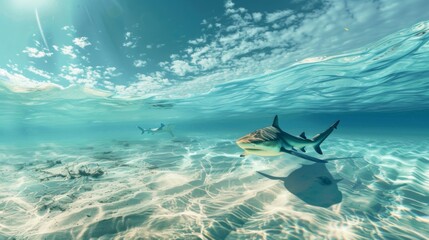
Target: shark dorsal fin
{"points": [[276, 122], [303, 135]]}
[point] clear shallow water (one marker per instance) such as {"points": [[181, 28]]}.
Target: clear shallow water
{"points": [[190, 188], [74, 165]]}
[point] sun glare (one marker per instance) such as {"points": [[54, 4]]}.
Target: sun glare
{"points": [[30, 4]]}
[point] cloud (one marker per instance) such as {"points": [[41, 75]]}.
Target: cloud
{"points": [[229, 4], [197, 41], [70, 28], [82, 42], [36, 53], [139, 63], [146, 86], [257, 16], [180, 67], [129, 44], [87, 75], [271, 17], [73, 69], [111, 72], [68, 50], [21, 84], [130, 40], [40, 72], [14, 67]]}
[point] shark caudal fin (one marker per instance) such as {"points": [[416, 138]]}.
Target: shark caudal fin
{"points": [[319, 138], [141, 129]]}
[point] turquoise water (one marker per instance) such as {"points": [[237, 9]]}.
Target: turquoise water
{"points": [[74, 165]]}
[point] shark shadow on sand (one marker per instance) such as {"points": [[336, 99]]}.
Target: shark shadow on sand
{"points": [[313, 184]]}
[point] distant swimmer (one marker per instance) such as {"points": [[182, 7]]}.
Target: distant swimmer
{"points": [[162, 129], [272, 141]]}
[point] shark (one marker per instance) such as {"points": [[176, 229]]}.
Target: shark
{"points": [[161, 129], [273, 141]]}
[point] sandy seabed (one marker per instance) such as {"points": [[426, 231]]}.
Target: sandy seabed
{"points": [[199, 188]]}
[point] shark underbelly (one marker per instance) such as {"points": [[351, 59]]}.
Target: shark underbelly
{"points": [[264, 153], [269, 148]]}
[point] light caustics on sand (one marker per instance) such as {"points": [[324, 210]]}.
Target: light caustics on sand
{"points": [[199, 188]]}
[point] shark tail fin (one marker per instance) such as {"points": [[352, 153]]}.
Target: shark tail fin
{"points": [[141, 129], [319, 138]]}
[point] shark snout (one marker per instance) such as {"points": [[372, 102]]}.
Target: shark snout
{"points": [[244, 143], [250, 146], [241, 143]]}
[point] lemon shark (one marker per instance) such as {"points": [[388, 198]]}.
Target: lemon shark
{"points": [[273, 141]]}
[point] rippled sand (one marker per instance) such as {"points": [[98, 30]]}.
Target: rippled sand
{"points": [[194, 188]]}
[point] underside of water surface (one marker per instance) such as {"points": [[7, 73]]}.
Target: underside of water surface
{"points": [[93, 148]]}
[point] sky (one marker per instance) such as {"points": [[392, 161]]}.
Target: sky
{"points": [[139, 48]]}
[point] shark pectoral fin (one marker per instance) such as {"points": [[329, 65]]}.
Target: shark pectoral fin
{"points": [[318, 149], [302, 149], [303, 156], [243, 154]]}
